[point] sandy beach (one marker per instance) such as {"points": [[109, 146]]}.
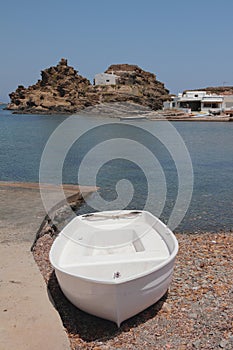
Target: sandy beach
{"points": [[196, 312]]}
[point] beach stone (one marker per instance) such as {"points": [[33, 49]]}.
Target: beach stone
{"points": [[231, 339], [196, 344], [223, 344], [166, 308]]}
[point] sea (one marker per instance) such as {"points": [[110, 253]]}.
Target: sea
{"points": [[182, 170]]}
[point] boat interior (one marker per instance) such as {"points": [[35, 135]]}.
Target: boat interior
{"points": [[112, 253]]}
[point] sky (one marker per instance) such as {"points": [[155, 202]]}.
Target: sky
{"points": [[187, 44]]}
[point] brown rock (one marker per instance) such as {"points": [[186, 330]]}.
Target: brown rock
{"points": [[166, 308], [135, 85], [59, 90], [62, 90]]}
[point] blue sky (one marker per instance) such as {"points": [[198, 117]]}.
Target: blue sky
{"points": [[187, 44]]}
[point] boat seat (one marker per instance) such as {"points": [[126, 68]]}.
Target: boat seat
{"points": [[153, 243], [118, 258], [115, 268]]}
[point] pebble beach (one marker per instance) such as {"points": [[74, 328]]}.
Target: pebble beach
{"points": [[195, 313]]}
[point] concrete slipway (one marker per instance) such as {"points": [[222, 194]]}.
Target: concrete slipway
{"points": [[28, 317]]}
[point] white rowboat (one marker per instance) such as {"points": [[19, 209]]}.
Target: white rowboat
{"points": [[114, 264]]}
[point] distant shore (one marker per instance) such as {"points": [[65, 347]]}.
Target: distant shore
{"points": [[199, 119], [130, 111]]}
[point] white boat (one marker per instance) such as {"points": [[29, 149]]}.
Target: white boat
{"points": [[201, 115], [114, 264]]}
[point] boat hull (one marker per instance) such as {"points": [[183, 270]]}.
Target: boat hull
{"points": [[117, 265], [116, 302]]}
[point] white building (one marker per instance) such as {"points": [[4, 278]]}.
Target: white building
{"points": [[105, 79], [228, 100], [196, 101]]}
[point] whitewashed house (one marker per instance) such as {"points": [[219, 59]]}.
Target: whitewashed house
{"points": [[105, 79], [228, 100], [197, 101]]}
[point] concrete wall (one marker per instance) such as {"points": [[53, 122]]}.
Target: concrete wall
{"points": [[105, 79]]}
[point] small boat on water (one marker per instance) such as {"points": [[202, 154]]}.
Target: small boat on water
{"points": [[114, 264], [201, 115]]}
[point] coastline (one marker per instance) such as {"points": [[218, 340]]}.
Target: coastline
{"points": [[194, 119], [171, 119], [127, 111]]}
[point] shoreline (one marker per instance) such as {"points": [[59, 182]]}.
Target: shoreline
{"points": [[195, 119], [30, 191], [143, 117]]}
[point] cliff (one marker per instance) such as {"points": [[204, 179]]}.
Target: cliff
{"points": [[62, 90]]}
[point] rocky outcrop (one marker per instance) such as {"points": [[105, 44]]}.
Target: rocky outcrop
{"points": [[62, 90], [135, 85]]}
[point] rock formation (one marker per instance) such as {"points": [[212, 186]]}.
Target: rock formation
{"points": [[136, 85], [62, 90]]}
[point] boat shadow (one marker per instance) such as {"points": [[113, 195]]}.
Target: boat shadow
{"points": [[91, 328]]}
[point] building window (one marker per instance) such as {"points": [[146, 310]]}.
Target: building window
{"points": [[107, 80], [195, 95], [210, 105], [207, 105]]}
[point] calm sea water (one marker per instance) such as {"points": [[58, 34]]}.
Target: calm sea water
{"points": [[210, 145]]}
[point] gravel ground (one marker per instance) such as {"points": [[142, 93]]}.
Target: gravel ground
{"points": [[196, 312]]}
